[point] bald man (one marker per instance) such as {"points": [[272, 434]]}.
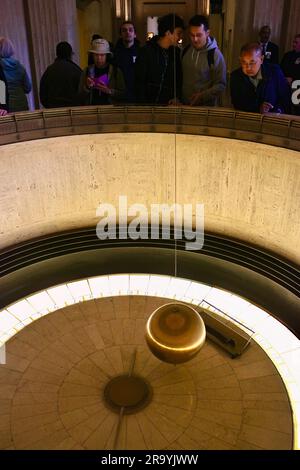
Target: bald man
{"points": [[258, 87]]}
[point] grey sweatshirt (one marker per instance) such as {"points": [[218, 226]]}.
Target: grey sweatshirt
{"points": [[197, 76]]}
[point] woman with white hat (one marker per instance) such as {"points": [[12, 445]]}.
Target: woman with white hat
{"points": [[101, 83]]}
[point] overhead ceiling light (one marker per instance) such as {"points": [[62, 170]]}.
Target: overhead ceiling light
{"points": [[61, 296], [80, 290], [119, 286], [157, 285], [42, 303], [138, 284], [22, 310]]}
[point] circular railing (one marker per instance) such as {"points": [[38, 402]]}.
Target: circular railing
{"points": [[278, 130]]}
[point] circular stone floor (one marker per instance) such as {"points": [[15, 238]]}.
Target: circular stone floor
{"points": [[51, 389]]}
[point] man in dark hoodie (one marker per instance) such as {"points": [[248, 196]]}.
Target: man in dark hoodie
{"points": [[125, 55], [204, 68], [59, 84], [158, 74]]}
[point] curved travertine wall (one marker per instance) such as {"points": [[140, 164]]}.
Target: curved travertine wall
{"points": [[251, 191]]}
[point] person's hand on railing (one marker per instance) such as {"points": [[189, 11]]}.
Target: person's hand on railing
{"points": [[196, 99], [174, 102], [266, 107]]}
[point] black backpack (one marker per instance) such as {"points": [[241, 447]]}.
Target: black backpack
{"points": [[210, 55]]}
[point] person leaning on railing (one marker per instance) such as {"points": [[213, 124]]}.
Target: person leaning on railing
{"points": [[258, 87]]}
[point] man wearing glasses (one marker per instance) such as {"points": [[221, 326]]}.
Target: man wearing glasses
{"points": [[258, 87]]}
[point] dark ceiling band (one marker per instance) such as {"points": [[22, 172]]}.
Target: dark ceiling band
{"points": [[257, 275]]}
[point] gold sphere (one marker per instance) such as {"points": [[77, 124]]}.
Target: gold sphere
{"points": [[175, 333]]}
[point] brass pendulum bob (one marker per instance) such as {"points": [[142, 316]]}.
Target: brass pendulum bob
{"points": [[175, 333]]}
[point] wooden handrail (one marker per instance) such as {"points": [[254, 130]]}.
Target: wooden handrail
{"points": [[280, 131]]}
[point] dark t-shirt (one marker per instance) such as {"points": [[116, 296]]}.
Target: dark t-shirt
{"points": [[125, 59]]}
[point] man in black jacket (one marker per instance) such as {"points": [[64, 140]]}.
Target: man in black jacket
{"points": [[158, 77], [60, 82], [3, 94], [257, 87], [125, 54]]}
